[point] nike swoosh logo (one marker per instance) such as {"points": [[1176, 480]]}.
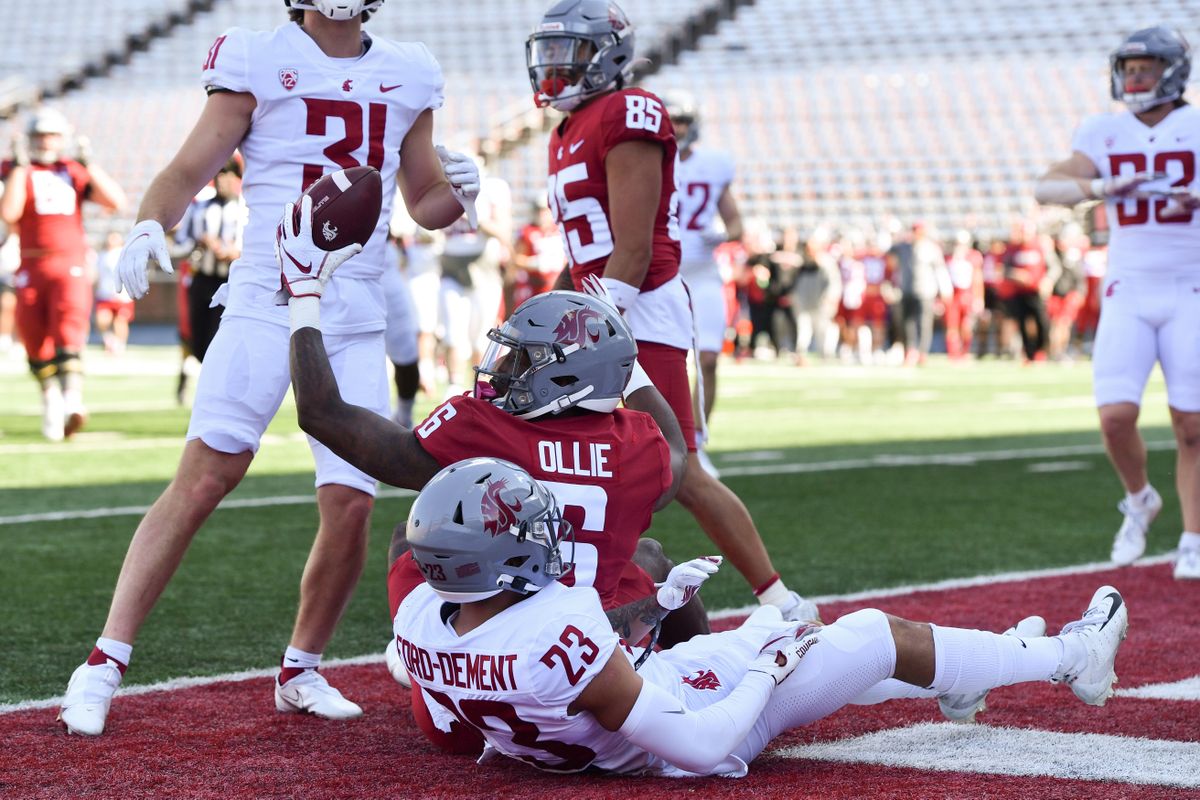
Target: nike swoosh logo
{"points": [[677, 711], [386, 89], [294, 660], [306, 269], [575, 146], [1117, 603]]}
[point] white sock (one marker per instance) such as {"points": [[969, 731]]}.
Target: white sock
{"points": [[1189, 540], [118, 650], [1140, 498], [967, 661], [775, 594], [298, 659]]}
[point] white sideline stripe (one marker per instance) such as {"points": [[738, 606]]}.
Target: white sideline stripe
{"points": [[958, 583], [946, 747], [981, 580], [931, 459], [884, 460], [137, 511], [1039, 467], [1186, 689]]}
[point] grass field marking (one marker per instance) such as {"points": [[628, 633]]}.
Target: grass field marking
{"points": [[946, 747], [377, 658], [137, 511], [104, 440], [872, 462], [929, 459]]}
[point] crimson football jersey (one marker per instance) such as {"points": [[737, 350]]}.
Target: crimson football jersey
{"points": [[51, 226], [607, 471], [578, 183]]}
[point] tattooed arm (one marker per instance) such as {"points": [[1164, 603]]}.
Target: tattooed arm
{"points": [[373, 444], [633, 621]]}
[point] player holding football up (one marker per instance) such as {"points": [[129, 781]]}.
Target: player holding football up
{"points": [[703, 176], [612, 190], [546, 396], [1142, 163], [314, 95], [508, 642]]}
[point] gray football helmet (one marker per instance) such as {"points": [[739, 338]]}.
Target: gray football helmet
{"points": [[683, 110], [336, 9], [558, 350], [1168, 46], [581, 48], [482, 526]]}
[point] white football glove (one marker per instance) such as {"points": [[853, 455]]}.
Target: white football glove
{"points": [[684, 581], [1122, 185], [1181, 201], [464, 180], [781, 655], [618, 294], [304, 268], [592, 285], [144, 242]]}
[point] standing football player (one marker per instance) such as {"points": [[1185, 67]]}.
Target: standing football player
{"points": [[1142, 163], [612, 190], [541, 657], [315, 95], [703, 177], [43, 199]]}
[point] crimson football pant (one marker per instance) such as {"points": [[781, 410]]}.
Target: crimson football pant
{"points": [[54, 307]]}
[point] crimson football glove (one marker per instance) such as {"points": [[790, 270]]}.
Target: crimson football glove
{"points": [[304, 268]]}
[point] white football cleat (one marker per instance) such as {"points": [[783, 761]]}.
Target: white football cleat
{"points": [[89, 695], [310, 693], [395, 665], [1187, 564], [963, 707], [800, 610], [1091, 647], [1130, 541]]}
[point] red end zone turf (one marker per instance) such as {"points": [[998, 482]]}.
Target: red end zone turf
{"points": [[226, 740]]}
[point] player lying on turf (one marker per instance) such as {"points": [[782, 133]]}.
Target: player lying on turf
{"points": [[502, 645]]}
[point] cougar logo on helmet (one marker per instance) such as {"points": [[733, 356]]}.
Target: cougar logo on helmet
{"points": [[579, 327], [498, 515]]}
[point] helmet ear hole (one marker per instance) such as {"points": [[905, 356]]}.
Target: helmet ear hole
{"points": [[564, 380], [458, 514]]}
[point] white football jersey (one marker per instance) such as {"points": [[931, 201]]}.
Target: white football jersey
{"points": [[1145, 235], [314, 115], [700, 179]]}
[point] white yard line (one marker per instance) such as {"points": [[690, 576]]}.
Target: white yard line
{"points": [[956, 583], [946, 747], [870, 462]]}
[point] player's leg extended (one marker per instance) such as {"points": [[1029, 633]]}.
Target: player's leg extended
{"points": [[1179, 354], [203, 478]]}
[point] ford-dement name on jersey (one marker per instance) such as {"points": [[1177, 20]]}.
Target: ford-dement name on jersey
{"points": [[315, 115], [1147, 234]]}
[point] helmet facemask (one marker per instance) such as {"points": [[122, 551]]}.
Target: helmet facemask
{"points": [[1168, 48], [1139, 101], [337, 9], [564, 69]]}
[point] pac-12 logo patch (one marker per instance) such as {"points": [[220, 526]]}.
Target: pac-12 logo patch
{"points": [[289, 77]]}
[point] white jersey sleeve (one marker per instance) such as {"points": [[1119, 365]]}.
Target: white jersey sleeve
{"points": [[1084, 139], [701, 179], [227, 64]]}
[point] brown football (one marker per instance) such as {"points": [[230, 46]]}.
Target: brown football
{"points": [[346, 207]]}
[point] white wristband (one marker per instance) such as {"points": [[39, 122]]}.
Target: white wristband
{"points": [[623, 294], [305, 312], [638, 379]]}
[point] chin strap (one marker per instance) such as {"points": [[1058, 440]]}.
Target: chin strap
{"points": [[559, 404]]}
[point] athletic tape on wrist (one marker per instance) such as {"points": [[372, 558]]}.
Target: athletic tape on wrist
{"points": [[304, 312], [623, 294]]}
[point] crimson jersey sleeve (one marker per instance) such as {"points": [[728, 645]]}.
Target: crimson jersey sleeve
{"points": [[636, 115]]}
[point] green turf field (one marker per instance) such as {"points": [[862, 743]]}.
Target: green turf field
{"points": [[836, 464]]}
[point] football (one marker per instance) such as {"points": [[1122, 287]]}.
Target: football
{"points": [[346, 207]]}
